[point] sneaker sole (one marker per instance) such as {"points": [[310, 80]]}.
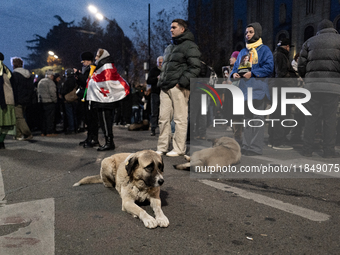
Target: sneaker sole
{"points": [[282, 149]]}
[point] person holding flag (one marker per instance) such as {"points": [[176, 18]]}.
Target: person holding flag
{"points": [[104, 88]]}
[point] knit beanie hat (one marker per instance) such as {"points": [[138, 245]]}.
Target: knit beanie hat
{"points": [[235, 54], [325, 24], [258, 32], [86, 56], [2, 57]]}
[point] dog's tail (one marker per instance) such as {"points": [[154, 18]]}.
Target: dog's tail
{"points": [[185, 166], [88, 180]]}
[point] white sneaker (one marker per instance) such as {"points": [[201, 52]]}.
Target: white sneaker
{"points": [[160, 152], [172, 154]]}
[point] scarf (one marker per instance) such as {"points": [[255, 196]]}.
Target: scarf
{"points": [[254, 58]]}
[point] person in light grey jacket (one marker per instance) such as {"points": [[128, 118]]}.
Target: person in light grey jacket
{"points": [[47, 96]]}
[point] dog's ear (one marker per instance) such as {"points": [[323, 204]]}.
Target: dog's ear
{"points": [[131, 165], [214, 142], [161, 166]]}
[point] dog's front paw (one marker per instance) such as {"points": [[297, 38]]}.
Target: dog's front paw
{"points": [[163, 221], [149, 221]]}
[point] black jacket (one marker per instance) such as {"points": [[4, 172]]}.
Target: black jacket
{"points": [[69, 85], [153, 80], [23, 87], [319, 62], [282, 65], [181, 62], [83, 76]]}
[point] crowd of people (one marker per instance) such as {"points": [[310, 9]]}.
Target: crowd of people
{"points": [[97, 96]]}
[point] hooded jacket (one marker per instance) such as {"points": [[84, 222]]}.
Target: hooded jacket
{"points": [[319, 61], [23, 87], [181, 62], [262, 69]]}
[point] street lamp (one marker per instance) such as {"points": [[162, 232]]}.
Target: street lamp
{"points": [[93, 9], [51, 57], [100, 16]]}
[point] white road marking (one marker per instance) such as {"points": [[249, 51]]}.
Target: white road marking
{"points": [[300, 211], [35, 238], [35, 220], [2, 188]]}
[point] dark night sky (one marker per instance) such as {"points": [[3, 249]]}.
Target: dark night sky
{"points": [[20, 20]]}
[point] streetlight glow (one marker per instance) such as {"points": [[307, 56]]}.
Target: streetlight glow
{"points": [[51, 53], [92, 9], [55, 56], [99, 16]]}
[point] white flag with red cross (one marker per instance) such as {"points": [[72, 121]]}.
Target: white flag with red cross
{"points": [[106, 85]]}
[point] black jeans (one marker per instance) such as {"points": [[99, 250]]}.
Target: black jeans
{"points": [[154, 110], [48, 118], [327, 103], [277, 132], [91, 120], [198, 122]]}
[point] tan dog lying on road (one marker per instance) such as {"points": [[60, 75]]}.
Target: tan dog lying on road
{"points": [[137, 177], [225, 151]]}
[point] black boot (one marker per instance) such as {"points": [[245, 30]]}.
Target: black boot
{"points": [[2, 145], [109, 144], [91, 142], [94, 141], [85, 141]]}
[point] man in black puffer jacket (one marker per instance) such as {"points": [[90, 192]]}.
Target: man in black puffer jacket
{"points": [[282, 69], [319, 64], [23, 89], [181, 62]]}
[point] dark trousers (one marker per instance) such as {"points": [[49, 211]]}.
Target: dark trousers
{"points": [[253, 136], [91, 120], [71, 112], [327, 103], [277, 132], [198, 122], [154, 110], [48, 110], [105, 117]]}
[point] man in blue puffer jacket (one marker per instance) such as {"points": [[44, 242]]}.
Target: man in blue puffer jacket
{"points": [[319, 64], [262, 66]]}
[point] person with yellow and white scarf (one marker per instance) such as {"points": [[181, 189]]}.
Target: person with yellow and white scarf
{"points": [[262, 66], [7, 113]]}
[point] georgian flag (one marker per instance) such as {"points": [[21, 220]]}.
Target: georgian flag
{"points": [[106, 85]]}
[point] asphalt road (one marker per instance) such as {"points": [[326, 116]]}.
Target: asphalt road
{"points": [[41, 213]]}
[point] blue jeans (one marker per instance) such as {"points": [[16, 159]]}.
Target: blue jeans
{"points": [[71, 115]]}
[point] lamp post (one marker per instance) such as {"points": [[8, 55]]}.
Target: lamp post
{"points": [[100, 16]]}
